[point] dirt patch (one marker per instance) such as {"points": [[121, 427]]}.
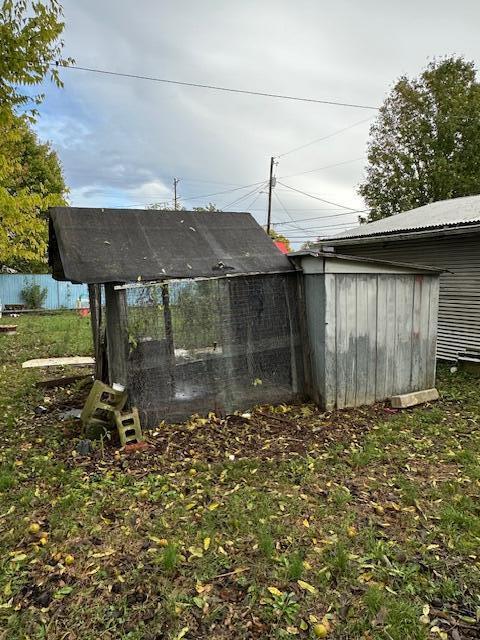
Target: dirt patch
{"points": [[264, 434]]}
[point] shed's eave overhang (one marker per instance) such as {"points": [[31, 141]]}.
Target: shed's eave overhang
{"points": [[99, 246], [296, 257]]}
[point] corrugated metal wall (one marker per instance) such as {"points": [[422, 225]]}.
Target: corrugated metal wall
{"points": [[59, 294], [459, 303], [371, 336]]}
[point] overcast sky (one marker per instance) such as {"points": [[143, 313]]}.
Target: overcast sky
{"points": [[121, 141]]}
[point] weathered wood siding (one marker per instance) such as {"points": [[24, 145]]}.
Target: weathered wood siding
{"points": [[314, 288], [371, 336], [116, 334], [459, 302]]}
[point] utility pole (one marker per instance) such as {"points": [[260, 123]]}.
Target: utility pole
{"points": [[270, 187], [175, 201]]}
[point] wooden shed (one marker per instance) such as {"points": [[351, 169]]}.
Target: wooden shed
{"points": [[192, 312], [371, 328]]}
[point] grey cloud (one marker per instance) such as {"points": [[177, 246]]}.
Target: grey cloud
{"points": [[117, 136]]}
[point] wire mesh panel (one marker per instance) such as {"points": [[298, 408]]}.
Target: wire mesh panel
{"points": [[213, 345]]}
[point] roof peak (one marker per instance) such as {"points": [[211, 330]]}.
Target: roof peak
{"points": [[125, 245]]}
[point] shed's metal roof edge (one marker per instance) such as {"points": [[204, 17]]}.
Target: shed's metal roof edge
{"points": [[61, 209], [417, 231], [340, 256]]}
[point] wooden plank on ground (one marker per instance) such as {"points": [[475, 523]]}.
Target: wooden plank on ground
{"points": [[70, 361]]}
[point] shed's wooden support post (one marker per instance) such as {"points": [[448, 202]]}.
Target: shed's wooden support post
{"points": [[117, 334], [167, 316], [304, 334], [228, 349], [96, 322], [291, 327]]}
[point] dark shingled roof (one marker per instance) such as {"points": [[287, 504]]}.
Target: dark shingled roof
{"points": [[125, 245]]}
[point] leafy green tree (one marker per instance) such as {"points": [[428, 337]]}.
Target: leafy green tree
{"points": [[164, 206], [212, 208], [29, 44], [30, 176], [37, 167], [424, 145], [167, 206], [31, 182]]}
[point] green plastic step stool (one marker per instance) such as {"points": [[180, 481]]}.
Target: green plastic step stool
{"points": [[102, 398], [128, 425]]}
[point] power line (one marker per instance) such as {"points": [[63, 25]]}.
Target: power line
{"points": [[218, 193], [339, 226], [80, 171], [300, 233], [249, 207], [244, 196], [107, 190], [333, 215], [208, 195], [283, 206], [330, 135], [327, 234], [214, 87], [328, 166], [336, 225], [309, 195], [317, 229], [307, 208], [288, 214], [226, 184]]}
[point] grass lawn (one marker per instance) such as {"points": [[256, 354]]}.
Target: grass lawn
{"points": [[290, 523]]}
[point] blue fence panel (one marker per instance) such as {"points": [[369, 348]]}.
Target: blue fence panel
{"points": [[60, 295]]}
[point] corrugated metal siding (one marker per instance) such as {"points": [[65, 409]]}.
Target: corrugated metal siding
{"points": [[459, 302], [453, 212], [59, 294], [371, 336]]}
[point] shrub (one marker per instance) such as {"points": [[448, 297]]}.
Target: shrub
{"points": [[34, 295]]}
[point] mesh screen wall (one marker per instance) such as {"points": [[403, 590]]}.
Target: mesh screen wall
{"points": [[218, 345]]}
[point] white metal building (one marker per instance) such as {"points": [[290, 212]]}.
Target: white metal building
{"points": [[443, 234]]}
